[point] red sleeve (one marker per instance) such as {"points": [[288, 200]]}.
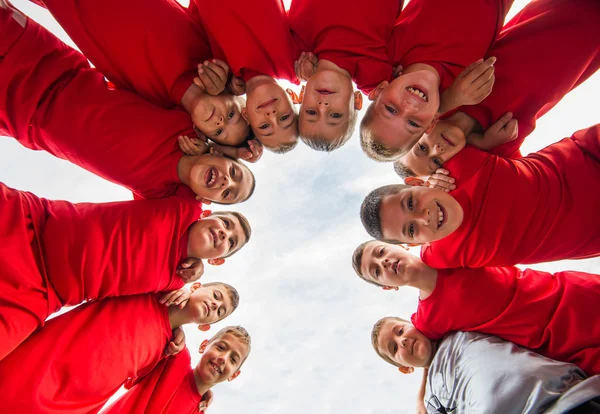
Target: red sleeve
{"points": [[449, 45], [150, 47], [55, 102], [523, 63], [252, 36], [352, 34]]}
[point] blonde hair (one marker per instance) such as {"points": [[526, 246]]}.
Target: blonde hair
{"points": [[375, 337]]}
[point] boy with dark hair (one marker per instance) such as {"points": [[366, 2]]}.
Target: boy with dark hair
{"points": [[431, 59], [81, 358], [474, 372], [528, 210], [530, 308], [174, 387], [51, 99], [254, 38], [570, 31], [343, 43], [56, 253]]}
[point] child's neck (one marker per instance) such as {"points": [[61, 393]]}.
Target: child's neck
{"points": [[415, 67], [434, 349], [201, 386], [325, 64], [425, 280], [178, 317], [191, 98]]}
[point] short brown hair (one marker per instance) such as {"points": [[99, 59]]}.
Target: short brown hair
{"points": [[237, 331], [357, 262], [318, 143], [371, 145], [234, 296], [244, 223], [375, 336], [402, 170], [369, 210]]}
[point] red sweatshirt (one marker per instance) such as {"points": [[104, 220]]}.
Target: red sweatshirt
{"points": [[352, 34], [252, 36], [448, 35], [51, 100], [555, 315], [82, 357], [559, 34], [93, 251], [150, 47], [534, 209], [169, 389]]}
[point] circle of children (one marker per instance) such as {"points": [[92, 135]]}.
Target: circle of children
{"points": [[446, 99]]}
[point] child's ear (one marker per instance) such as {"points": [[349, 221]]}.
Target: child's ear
{"points": [[204, 328], [374, 94], [203, 346], [205, 214], [406, 370], [358, 100], [245, 114], [414, 181], [432, 125], [195, 286], [235, 375], [203, 200], [216, 262]]}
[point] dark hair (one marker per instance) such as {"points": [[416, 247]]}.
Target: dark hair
{"points": [[357, 262], [370, 208], [318, 143], [402, 170]]}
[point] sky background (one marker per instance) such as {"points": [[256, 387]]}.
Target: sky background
{"points": [[309, 315]]}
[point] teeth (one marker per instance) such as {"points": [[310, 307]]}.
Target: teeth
{"points": [[417, 92], [440, 216], [212, 178]]}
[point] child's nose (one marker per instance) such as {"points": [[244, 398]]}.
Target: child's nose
{"points": [[323, 103], [408, 108], [423, 216]]}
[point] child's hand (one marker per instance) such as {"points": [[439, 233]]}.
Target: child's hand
{"points": [[472, 86], [305, 66], [397, 71], [177, 297], [441, 179], [252, 153], [192, 146], [505, 129], [207, 400], [212, 76], [177, 344], [191, 269], [421, 407], [236, 86]]}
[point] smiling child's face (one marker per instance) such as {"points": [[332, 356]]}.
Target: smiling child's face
{"points": [[404, 344], [419, 215], [218, 235], [210, 304], [388, 264], [221, 359], [434, 149], [220, 119]]}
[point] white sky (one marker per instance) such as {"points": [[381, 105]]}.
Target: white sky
{"points": [[309, 315]]}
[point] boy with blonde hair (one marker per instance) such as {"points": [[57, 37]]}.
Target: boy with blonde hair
{"points": [[174, 387]]}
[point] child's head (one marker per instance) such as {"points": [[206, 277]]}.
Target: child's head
{"points": [[399, 343], [220, 119], [410, 214], [211, 302], [218, 235], [271, 114], [431, 151], [329, 109], [220, 179], [384, 264], [223, 355], [401, 112]]}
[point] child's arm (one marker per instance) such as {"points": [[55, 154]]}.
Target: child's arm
{"points": [[505, 129], [177, 344], [421, 396], [472, 86], [191, 269]]}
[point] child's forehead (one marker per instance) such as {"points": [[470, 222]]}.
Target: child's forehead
{"points": [[233, 342]]}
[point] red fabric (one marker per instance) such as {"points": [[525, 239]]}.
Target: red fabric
{"points": [[169, 389], [82, 357], [151, 47], [252, 36], [546, 50], [352, 34], [93, 251], [534, 209], [551, 314], [51, 100], [448, 35], [25, 300]]}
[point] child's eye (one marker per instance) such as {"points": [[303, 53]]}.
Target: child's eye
{"points": [[230, 115], [220, 347], [231, 243], [311, 112], [336, 115], [220, 312], [381, 251], [422, 147], [232, 172], [283, 118], [390, 109], [264, 126], [437, 162], [219, 132], [226, 194], [411, 230], [410, 204], [234, 361], [400, 331], [215, 295], [377, 272], [413, 124], [395, 349], [225, 223]]}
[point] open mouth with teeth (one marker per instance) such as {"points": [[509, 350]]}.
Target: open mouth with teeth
{"points": [[395, 266], [215, 367], [413, 90], [441, 215], [210, 178]]}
